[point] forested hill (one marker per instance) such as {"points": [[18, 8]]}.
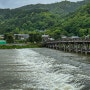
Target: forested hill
{"points": [[62, 8], [78, 23], [48, 19], [23, 21]]}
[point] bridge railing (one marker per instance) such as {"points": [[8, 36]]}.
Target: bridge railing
{"points": [[70, 40]]}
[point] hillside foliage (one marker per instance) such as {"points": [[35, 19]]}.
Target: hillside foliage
{"points": [[61, 18]]}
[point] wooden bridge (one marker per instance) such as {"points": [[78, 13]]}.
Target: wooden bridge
{"points": [[78, 46]]}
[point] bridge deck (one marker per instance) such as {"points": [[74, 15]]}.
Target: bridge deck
{"points": [[82, 46]]}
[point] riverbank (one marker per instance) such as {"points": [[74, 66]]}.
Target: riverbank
{"points": [[19, 46]]}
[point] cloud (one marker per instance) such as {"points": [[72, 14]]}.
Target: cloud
{"points": [[19, 3]]}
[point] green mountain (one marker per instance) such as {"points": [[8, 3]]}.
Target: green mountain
{"points": [[20, 21], [78, 23], [46, 18], [61, 8]]}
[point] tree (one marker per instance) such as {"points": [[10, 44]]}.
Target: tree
{"points": [[57, 34], [9, 38], [16, 31], [34, 37], [82, 32]]}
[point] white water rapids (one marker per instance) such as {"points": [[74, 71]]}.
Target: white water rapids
{"points": [[32, 70]]}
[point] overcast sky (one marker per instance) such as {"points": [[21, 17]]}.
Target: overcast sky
{"points": [[19, 3]]}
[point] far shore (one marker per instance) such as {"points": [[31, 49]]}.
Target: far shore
{"points": [[19, 46]]}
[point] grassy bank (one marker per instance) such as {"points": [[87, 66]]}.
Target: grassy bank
{"points": [[19, 46]]}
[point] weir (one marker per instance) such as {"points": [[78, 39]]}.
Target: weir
{"points": [[77, 46]]}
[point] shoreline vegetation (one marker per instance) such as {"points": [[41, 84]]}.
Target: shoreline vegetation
{"points": [[20, 46]]}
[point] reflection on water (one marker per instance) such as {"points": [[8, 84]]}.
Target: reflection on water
{"points": [[43, 69]]}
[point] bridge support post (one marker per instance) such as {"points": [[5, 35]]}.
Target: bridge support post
{"points": [[81, 46]]}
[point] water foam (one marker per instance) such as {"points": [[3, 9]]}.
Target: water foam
{"points": [[42, 72]]}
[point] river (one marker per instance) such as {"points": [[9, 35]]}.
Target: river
{"points": [[43, 69]]}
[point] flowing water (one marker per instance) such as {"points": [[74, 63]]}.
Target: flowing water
{"points": [[43, 69]]}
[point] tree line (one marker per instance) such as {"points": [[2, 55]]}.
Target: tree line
{"points": [[43, 21]]}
